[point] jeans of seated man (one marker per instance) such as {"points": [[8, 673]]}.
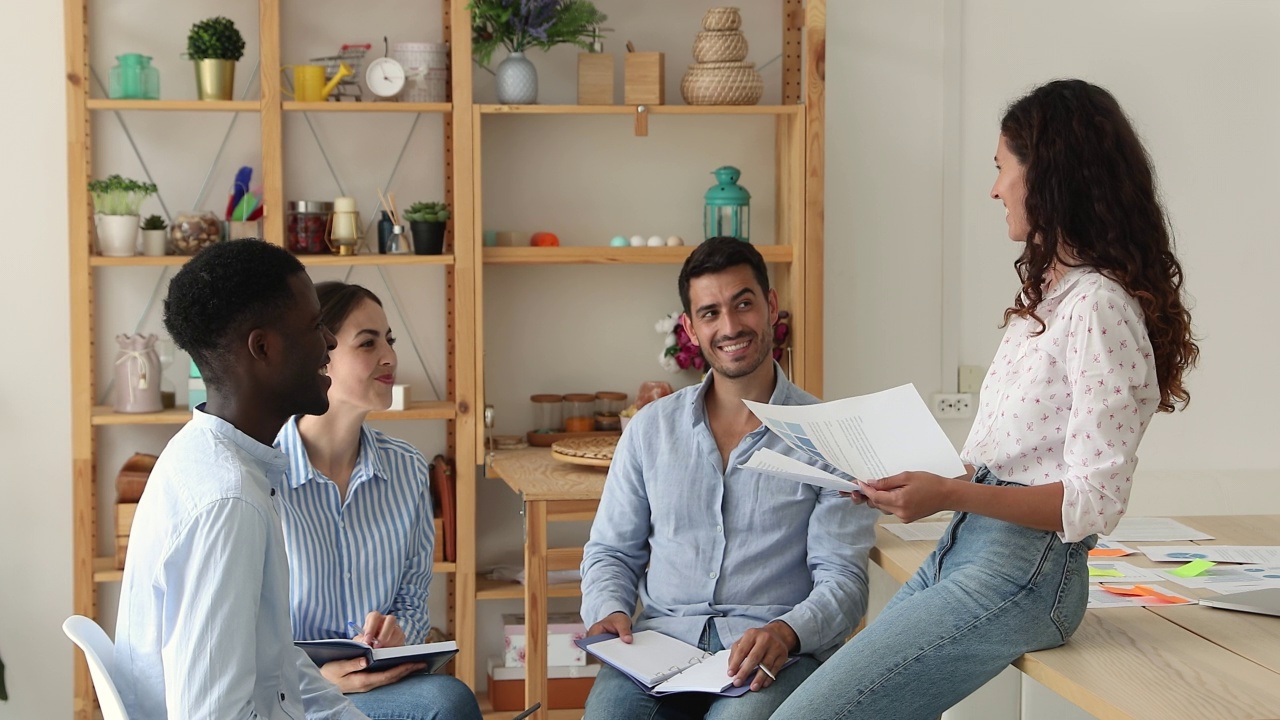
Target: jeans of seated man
{"points": [[419, 697], [615, 696]]}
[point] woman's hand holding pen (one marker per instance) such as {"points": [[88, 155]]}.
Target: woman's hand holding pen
{"points": [[909, 495], [761, 651], [380, 631]]}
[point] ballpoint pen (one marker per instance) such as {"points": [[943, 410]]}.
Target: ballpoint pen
{"points": [[353, 628], [765, 670], [528, 712]]}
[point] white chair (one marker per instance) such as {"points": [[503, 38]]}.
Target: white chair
{"points": [[100, 653]]}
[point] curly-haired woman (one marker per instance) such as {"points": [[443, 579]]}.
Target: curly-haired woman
{"points": [[1098, 339]]}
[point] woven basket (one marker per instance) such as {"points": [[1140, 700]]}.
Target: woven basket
{"points": [[729, 83], [722, 18], [720, 46]]}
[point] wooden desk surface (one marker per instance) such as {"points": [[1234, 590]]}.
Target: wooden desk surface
{"points": [[534, 474], [1184, 661]]}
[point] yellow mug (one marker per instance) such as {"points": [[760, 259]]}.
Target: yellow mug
{"points": [[308, 83]]}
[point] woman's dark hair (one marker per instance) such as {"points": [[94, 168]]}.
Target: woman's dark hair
{"points": [[717, 255], [338, 300], [226, 287], [1091, 200]]}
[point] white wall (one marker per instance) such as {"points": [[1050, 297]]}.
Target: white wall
{"points": [[918, 265]]}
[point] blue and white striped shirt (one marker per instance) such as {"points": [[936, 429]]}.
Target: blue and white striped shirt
{"points": [[371, 552]]}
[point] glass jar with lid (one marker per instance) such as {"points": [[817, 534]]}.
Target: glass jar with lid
{"points": [[609, 405], [579, 412], [548, 413], [193, 231], [306, 226]]}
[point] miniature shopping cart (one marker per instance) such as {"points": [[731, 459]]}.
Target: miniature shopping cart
{"points": [[349, 86]]}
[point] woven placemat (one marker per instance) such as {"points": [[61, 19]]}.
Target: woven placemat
{"points": [[589, 448]]}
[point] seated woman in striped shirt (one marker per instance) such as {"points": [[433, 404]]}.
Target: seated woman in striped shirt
{"points": [[358, 522]]}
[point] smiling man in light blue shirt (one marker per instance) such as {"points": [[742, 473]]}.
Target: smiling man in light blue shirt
{"points": [[203, 629], [718, 556]]}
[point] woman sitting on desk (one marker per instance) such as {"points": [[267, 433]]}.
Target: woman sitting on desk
{"points": [[358, 524], [1098, 340]]}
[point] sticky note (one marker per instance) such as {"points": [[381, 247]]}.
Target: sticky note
{"points": [[1108, 552], [1192, 569], [1100, 572]]}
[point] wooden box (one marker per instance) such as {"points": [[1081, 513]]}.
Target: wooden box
{"points": [[595, 79], [567, 687], [124, 521], [644, 79]]}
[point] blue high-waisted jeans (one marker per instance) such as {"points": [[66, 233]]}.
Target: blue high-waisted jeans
{"points": [[990, 592]]}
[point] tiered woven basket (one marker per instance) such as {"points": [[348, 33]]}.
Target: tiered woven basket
{"points": [[719, 76]]}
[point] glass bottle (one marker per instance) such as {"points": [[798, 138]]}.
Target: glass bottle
{"points": [[609, 405], [579, 412], [548, 413], [125, 81], [150, 79]]}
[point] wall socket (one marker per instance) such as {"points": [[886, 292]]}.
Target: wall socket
{"points": [[952, 406]]}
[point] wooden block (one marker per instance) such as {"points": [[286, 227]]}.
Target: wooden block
{"points": [[438, 554], [124, 518], [122, 544], [644, 78], [595, 79]]}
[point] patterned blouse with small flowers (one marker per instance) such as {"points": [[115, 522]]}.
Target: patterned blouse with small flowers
{"points": [[1071, 405]]}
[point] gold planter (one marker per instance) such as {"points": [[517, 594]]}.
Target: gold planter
{"points": [[215, 79]]}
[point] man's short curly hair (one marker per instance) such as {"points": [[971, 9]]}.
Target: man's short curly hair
{"points": [[225, 287]]}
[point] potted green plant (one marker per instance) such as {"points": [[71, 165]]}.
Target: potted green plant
{"points": [[154, 238], [427, 224], [519, 25], [215, 45], [116, 201]]}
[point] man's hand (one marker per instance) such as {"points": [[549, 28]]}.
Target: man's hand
{"points": [[381, 631], [761, 651], [910, 495], [618, 623], [347, 676]]}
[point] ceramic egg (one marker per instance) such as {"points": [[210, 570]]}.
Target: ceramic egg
{"points": [[637, 241], [618, 241], [656, 241], [674, 241]]}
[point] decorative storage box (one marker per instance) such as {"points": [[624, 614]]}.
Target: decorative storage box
{"points": [[562, 630], [643, 79], [567, 686], [595, 80]]}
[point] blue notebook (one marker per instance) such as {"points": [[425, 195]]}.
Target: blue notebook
{"points": [[663, 665]]}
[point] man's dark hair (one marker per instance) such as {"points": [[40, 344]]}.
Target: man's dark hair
{"points": [[717, 255], [227, 286]]}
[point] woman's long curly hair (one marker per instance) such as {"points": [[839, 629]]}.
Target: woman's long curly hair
{"points": [[1091, 196]]}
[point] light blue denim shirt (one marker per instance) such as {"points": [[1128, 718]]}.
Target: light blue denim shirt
{"points": [[203, 628], [692, 540]]}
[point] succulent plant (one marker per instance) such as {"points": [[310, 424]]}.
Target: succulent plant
{"points": [[215, 39], [427, 212], [154, 222]]}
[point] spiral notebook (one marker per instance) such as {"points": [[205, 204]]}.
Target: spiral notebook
{"points": [[662, 665]]}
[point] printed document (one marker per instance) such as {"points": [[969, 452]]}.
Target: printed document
{"points": [[867, 437], [1251, 554], [1142, 529]]}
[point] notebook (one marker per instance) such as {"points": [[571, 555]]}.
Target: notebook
{"points": [[663, 665], [1265, 601], [435, 655]]}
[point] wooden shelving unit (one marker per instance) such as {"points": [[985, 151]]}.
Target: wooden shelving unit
{"points": [[797, 272]]}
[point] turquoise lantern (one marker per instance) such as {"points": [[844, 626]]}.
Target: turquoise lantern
{"points": [[728, 211]]}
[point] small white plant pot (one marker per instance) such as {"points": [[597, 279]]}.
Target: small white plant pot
{"points": [[117, 235], [155, 243]]}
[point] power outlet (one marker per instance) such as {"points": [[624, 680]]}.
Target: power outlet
{"points": [[952, 406]]}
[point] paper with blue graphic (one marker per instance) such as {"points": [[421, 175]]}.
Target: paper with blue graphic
{"points": [[868, 437]]}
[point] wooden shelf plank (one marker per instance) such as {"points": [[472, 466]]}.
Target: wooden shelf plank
{"points": [[367, 107], [422, 410], [612, 255], [487, 711], [489, 589], [104, 569], [324, 260], [768, 110], [176, 105]]}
